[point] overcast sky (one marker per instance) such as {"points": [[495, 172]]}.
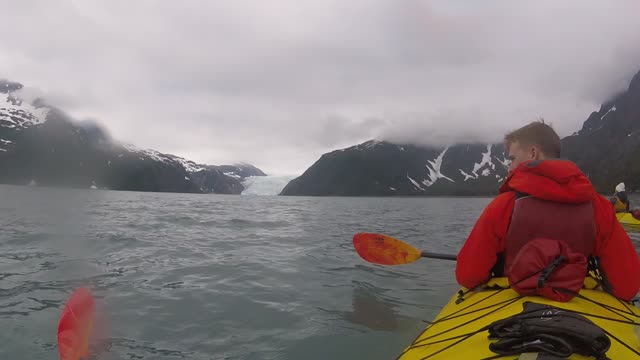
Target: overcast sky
{"points": [[278, 83]]}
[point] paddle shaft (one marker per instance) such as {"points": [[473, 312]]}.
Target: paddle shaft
{"points": [[432, 255]]}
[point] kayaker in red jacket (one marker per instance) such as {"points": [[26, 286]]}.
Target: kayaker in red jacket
{"points": [[544, 197]]}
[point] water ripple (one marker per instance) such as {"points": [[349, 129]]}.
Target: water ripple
{"points": [[186, 276]]}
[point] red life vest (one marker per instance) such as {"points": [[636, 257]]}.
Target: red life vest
{"points": [[547, 247]]}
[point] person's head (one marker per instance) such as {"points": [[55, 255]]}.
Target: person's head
{"points": [[535, 141], [620, 187]]}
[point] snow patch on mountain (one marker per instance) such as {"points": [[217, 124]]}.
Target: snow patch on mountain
{"points": [[433, 167], [466, 176], [188, 165], [486, 165], [371, 144], [232, 174], [5, 145], [486, 160], [504, 161], [613, 109], [18, 114], [365, 145], [151, 154], [415, 183]]}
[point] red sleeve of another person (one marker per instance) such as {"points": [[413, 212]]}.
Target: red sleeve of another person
{"points": [[479, 253], [618, 257]]}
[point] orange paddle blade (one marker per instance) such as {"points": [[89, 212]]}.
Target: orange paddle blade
{"points": [[75, 325], [384, 250]]}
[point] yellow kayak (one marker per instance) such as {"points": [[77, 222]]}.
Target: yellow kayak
{"points": [[627, 219], [459, 331]]}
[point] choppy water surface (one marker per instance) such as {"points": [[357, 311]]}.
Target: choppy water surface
{"points": [[180, 276]]}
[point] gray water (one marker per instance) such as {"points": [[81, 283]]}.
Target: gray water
{"points": [[181, 276]]}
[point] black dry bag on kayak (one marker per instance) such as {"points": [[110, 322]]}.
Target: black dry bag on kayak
{"points": [[548, 330]]}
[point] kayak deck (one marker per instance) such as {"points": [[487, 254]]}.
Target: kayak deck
{"points": [[455, 332]]}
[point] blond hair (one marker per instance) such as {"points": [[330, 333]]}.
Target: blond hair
{"points": [[536, 133]]}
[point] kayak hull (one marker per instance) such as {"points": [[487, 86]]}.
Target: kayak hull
{"points": [[447, 337], [628, 219]]}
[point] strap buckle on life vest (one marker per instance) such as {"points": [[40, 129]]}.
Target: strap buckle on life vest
{"points": [[546, 272], [593, 267]]}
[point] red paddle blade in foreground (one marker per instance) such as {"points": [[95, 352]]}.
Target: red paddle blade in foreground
{"points": [[75, 325], [384, 250]]}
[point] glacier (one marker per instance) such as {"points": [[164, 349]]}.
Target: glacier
{"points": [[266, 185]]}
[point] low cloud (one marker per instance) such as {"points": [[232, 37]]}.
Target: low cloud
{"points": [[279, 83]]}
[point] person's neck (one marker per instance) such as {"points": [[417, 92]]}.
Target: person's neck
{"points": [[542, 157]]}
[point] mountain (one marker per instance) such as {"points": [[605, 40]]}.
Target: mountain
{"points": [[241, 171], [607, 149], [376, 168], [41, 144]]}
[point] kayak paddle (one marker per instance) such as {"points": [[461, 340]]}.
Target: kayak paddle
{"points": [[75, 325], [385, 250]]}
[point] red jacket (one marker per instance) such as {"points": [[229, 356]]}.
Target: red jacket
{"points": [[554, 180]]}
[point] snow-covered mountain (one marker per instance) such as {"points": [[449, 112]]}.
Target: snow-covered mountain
{"points": [[16, 114], [382, 168], [607, 149], [42, 145]]}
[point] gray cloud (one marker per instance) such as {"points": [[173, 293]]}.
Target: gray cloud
{"points": [[278, 83]]}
